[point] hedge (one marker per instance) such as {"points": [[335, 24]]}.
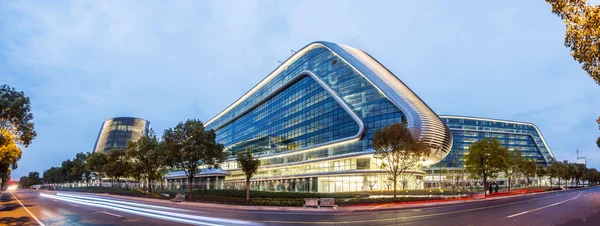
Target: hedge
{"points": [[270, 194]]}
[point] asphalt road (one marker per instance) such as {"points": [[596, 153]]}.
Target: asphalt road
{"points": [[573, 207]]}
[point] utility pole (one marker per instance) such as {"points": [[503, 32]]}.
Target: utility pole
{"points": [[582, 157]]}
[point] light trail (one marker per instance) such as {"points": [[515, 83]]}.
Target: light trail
{"points": [[158, 214], [117, 201]]}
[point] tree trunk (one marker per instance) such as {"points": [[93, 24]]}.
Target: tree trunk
{"points": [[509, 183], [247, 189], [485, 189], [148, 182], [190, 186], [395, 183]]}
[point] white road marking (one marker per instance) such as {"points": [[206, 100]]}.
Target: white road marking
{"points": [[544, 207], [112, 214], [33, 216], [73, 205]]}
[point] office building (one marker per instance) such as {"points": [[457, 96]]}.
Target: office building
{"points": [[515, 136], [116, 132], [311, 122]]}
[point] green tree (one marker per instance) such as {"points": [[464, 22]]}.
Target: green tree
{"points": [[486, 158], [399, 151], [567, 172], [24, 182], [541, 172], [134, 171], [528, 169], [556, 170], [67, 172], [592, 176], [96, 163], [15, 128], [249, 165], [578, 172], [79, 169], [582, 34], [53, 176], [34, 178], [117, 164], [190, 146], [15, 115], [512, 166], [147, 155]]}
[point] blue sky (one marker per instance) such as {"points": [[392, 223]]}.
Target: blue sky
{"points": [[83, 62]]}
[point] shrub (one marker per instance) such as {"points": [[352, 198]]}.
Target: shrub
{"points": [[349, 202]]}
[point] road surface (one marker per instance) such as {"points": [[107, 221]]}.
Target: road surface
{"points": [[26, 207]]}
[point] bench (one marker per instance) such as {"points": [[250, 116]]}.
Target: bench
{"points": [[178, 198], [311, 202], [328, 202]]}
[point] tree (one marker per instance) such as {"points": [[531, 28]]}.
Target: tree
{"points": [[398, 151], [79, 170], [512, 166], [567, 172], [556, 170], [34, 178], [15, 116], [485, 159], [10, 153], [582, 34], [67, 171], [541, 172], [24, 182], [369, 181], [598, 141], [249, 165], [578, 172], [117, 164], [148, 155], [96, 162], [135, 171], [190, 146], [592, 176], [53, 176], [528, 169]]}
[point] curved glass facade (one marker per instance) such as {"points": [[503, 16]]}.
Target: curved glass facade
{"points": [[314, 123], [311, 121], [524, 137], [116, 132]]}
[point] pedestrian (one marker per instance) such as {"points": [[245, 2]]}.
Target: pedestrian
{"points": [[496, 188], [491, 188]]}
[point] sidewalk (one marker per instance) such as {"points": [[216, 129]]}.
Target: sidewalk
{"points": [[344, 209]]}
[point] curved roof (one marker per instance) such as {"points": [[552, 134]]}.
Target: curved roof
{"points": [[505, 121], [423, 122]]}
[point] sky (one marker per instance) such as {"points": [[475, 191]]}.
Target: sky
{"points": [[82, 62]]}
